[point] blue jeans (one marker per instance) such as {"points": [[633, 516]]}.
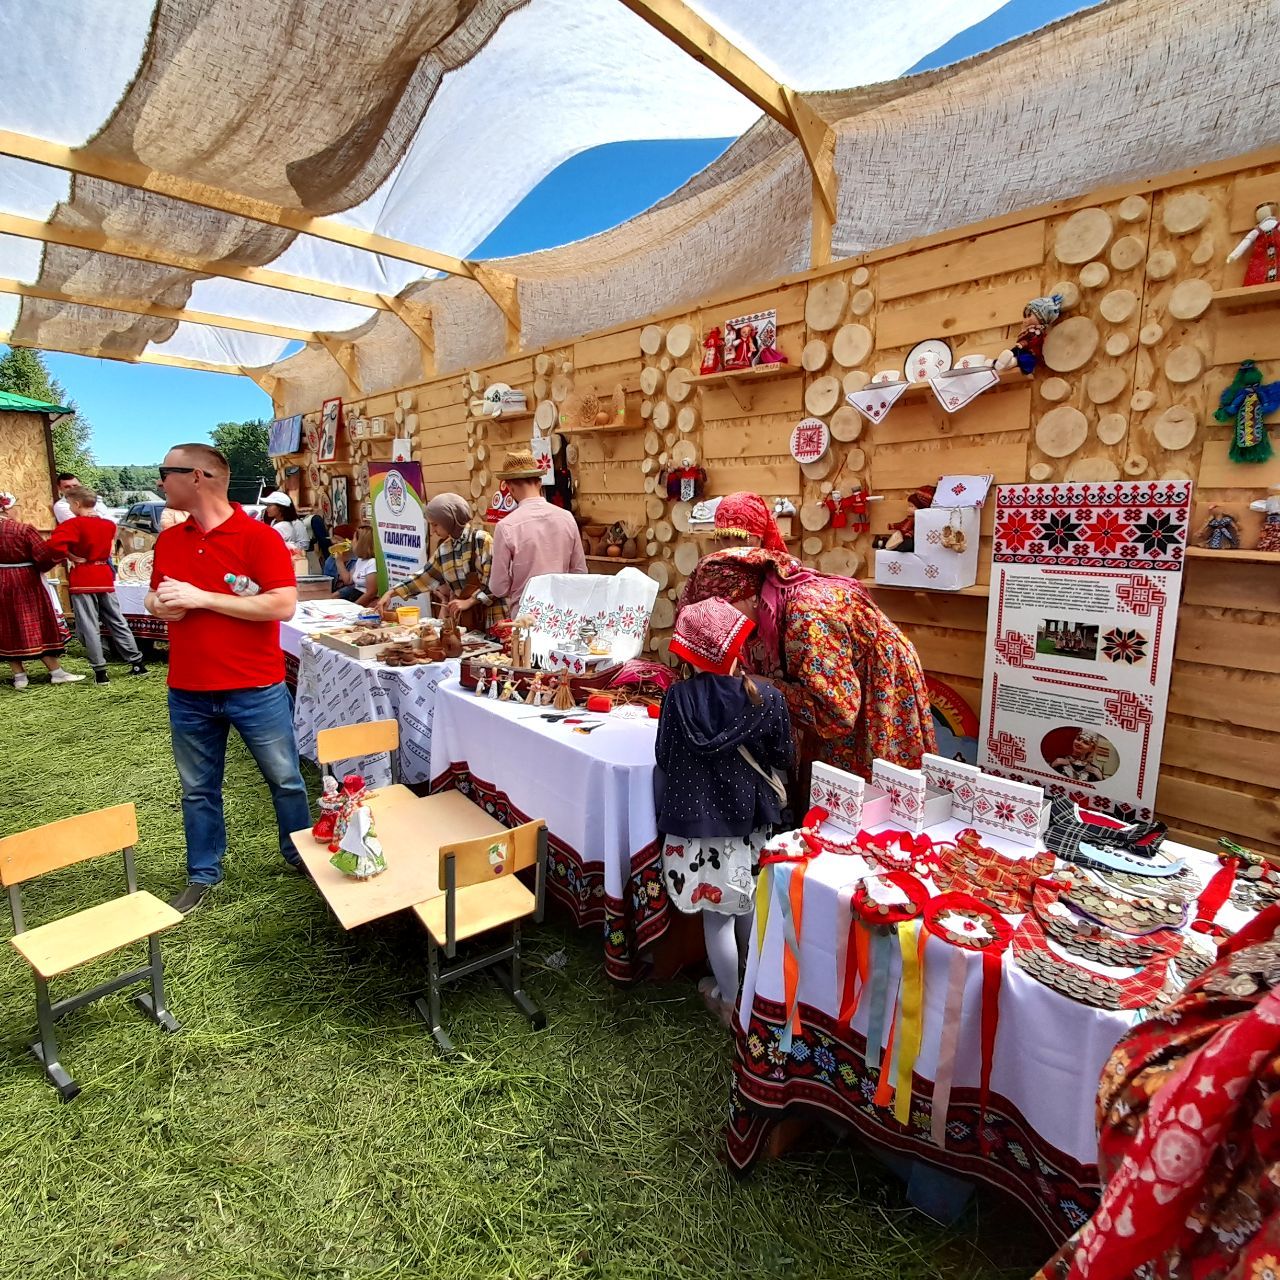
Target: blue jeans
{"points": [[264, 720]]}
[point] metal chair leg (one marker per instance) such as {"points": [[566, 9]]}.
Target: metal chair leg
{"points": [[46, 1048], [430, 1008], [510, 979], [153, 1005]]}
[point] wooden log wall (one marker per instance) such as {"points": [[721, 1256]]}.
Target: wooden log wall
{"points": [[1133, 374]]}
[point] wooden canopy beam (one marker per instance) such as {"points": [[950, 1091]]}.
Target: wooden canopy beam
{"points": [[417, 319], [504, 290], [93, 241], [130, 173], [145, 357], [344, 356], [704, 44], [137, 307]]}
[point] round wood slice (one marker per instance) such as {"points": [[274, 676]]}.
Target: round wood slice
{"points": [[1150, 334], [659, 573], [545, 416], [561, 385], [815, 355], [852, 345], [646, 409], [1190, 299], [1186, 213], [1093, 275], [820, 469], [664, 614], [846, 423], [814, 516], [1117, 344], [1127, 252], [679, 340], [650, 380], [822, 395], [541, 388], [662, 415], [844, 561], [862, 302], [1141, 401], [566, 366], [1054, 389], [1084, 235], [406, 399], [481, 453], [648, 466], [1183, 364], [1135, 466], [1069, 292], [1070, 344], [684, 453], [1161, 264], [652, 549], [687, 418], [678, 388], [399, 414], [680, 516], [1040, 472], [411, 422], [477, 486], [654, 507], [687, 557], [652, 442], [651, 340], [475, 381], [1061, 431], [1177, 475], [825, 488], [824, 306], [1112, 428], [1203, 252], [1103, 385], [855, 380], [1092, 470], [542, 363], [859, 276], [855, 460], [1175, 428], [651, 486], [666, 363], [670, 438], [662, 458], [1118, 305], [811, 546], [571, 454], [1132, 209]]}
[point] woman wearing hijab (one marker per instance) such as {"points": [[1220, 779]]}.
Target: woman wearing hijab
{"points": [[852, 680], [459, 565]]}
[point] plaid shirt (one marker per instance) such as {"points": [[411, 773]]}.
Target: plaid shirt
{"points": [[452, 562]]}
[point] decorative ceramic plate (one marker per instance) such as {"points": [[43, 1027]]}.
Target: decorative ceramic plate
{"points": [[927, 358], [135, 568]]}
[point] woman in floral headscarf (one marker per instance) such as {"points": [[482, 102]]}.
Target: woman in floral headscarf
{"points": [[852, 680], [1189, 1132]]}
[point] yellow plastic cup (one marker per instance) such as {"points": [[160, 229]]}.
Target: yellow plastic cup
{"points": [[407, 615]]}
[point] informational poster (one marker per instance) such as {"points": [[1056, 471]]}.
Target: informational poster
{"points": [[1085, 582], [399, 521]]}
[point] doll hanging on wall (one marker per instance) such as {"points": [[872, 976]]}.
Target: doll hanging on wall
{"points": [[1246, 402], [684, 484], [1026, 351], [1264, 262], [849, 510], [712, 353]]}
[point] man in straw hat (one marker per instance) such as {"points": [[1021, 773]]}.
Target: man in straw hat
{"points": [[536, 538]]}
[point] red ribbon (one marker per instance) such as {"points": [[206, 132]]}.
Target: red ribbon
{"points": [[1215, 893]]}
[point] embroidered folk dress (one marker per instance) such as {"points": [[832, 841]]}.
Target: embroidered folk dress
{"points": [[28, 624], [852, 681]]}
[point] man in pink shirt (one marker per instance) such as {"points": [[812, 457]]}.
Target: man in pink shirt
{"points": [[536, 538]]}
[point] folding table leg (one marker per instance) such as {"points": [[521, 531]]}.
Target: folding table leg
{"points": [[510, 978], [430, 1008], [153, 1005], [46, 1048]]}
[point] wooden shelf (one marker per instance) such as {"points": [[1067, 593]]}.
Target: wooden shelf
{"points": [[593, 430], [757, 373], [978, 589], [1253, 557], [616, 560], [1252, 295], [522, 416], [1008, 378]]}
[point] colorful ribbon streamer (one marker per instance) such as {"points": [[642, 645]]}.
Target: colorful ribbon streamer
{"points": [[911, 1020], [952, 1021]]}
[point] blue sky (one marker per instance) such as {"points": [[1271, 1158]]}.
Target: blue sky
{"points": [[137, 411]]}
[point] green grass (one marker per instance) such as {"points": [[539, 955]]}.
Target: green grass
{"points": [[302, 1124]]}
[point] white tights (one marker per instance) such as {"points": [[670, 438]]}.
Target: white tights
{"points": [[727, 938]]}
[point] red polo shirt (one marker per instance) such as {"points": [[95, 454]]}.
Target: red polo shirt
{"points": [[209, 651]]}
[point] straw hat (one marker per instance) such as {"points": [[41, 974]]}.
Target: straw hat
{"points": [[520, 465]]}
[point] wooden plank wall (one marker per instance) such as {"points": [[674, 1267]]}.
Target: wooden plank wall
{"points": [[969, 287], [24, 466]]}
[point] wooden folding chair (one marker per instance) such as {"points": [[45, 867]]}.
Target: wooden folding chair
{"points": [[481, 892], [350, 741], [54, 949]]}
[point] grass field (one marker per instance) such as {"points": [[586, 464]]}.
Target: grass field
{"points": [[302, 1124]]}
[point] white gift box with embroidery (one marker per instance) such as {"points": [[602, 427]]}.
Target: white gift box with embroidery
{"points": [[933, 566]]}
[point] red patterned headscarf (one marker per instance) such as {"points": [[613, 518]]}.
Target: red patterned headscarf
{"points": [[710, 634], [746, 515]]}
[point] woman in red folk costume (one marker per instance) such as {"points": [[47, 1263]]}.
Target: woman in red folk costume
{"points": [[852, 681]]}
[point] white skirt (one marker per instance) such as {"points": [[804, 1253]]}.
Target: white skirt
{"points": [[712, 873]]}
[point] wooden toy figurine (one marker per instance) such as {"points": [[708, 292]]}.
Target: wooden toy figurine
{"points": [[1264, 241]]}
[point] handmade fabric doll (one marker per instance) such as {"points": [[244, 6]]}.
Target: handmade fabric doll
{"points": [[1269, 538], [1264, 239], [848, 511], [684, 484], [1246, 402], [768, 353], [737, 351], [1026, 351], [903, 535], [357, 851], [1219, 531], [564, 699], [712, 353], [721, 740], [330, 802]]}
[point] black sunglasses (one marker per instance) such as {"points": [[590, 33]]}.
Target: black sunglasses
{"points": [[166, 472]]}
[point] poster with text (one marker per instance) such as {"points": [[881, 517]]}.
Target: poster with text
{"points": [[1085, 582], [399, 521]]}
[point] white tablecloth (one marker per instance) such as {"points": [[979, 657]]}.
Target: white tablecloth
{"points": [[131, 598], [334, 690], [1049, 1056], [595, 792]]}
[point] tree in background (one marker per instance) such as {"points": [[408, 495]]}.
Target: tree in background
{"points": [[245, 446], [23, 372]]}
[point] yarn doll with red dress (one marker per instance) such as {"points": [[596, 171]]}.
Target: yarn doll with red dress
{"points": [[712, 353], [848, 511], [737, 348], [330, 803], [1264, 241]]}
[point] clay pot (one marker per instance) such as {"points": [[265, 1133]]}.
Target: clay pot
{"points": [[603, 418], [629, 549]]}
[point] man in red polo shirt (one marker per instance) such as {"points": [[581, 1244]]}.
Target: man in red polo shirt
{"points": [[225, 665]]}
